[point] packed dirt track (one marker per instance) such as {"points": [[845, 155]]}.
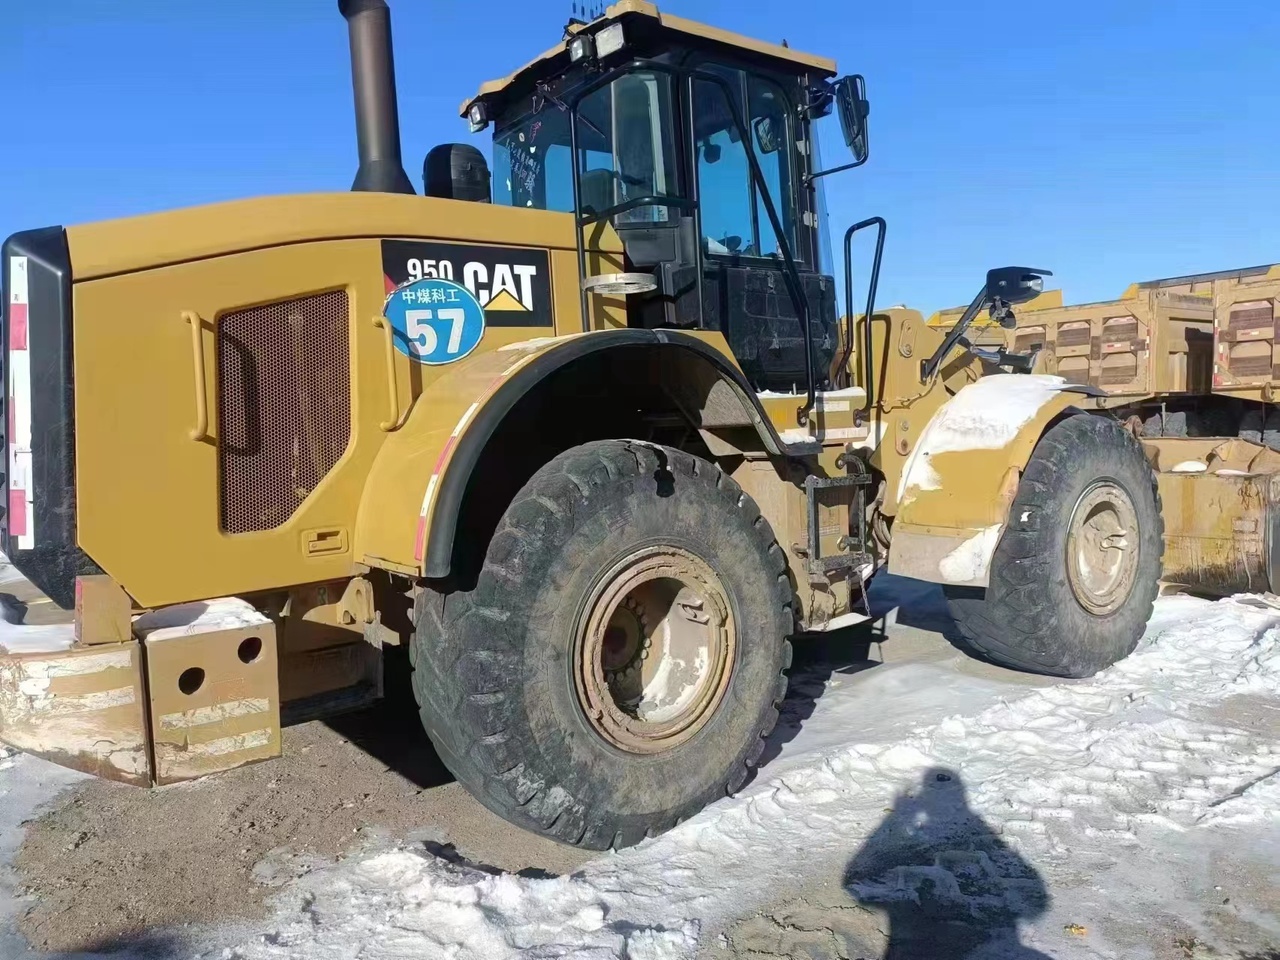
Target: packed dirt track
{"points": [[913, 801], [111, 862]]}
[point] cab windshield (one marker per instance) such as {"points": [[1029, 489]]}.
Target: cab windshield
{"points": [[624, 151]]}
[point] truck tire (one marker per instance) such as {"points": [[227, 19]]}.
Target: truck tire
{"points": [[1271, 429], [1076, 570], [620, 660], [1173, 424], [1252, 425]]}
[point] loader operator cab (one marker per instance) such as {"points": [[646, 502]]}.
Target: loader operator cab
{"points": [[695, 145]]}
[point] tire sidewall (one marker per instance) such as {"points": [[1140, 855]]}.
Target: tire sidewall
{"points": [[1029, 616], [1113, 629], [614, 521]]}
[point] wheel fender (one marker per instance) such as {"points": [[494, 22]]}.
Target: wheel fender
{"points": [[409, 508], [959, 480], [388, 532]]}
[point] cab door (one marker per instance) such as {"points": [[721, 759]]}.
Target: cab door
{"points": [[747, 296]]}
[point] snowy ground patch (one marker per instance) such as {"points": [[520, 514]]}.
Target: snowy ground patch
{"points": [[1070, 785]]}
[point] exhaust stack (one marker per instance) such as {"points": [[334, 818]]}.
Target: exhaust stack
{"points": [[373, 78]]}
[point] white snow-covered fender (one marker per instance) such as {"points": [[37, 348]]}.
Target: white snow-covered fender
{"points": [[959, 480]]}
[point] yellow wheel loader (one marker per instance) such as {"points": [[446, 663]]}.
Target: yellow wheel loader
{"points": [[587, 432]]}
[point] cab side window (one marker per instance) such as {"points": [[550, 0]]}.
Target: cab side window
{"points": [[769, 122], [734, 216]]}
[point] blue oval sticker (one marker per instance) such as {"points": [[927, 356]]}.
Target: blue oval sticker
{"points": [[435, 321]]}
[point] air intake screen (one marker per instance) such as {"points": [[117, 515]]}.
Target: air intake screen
{"points": [[284, 406]]}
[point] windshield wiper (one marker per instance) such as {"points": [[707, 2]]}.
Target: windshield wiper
{"points": [[545, 90]]}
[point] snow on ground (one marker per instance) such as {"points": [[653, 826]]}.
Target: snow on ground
{"points": [[8, 572], [1078, 804], [36, 638]]}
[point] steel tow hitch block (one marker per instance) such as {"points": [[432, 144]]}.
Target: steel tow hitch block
{"points": [[104, 612], [213, 685], [81, 707]]}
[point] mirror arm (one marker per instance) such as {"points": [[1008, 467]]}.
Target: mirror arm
{"points": [[929, 367], [810, 177]]}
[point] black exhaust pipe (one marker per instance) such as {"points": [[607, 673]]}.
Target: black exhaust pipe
{"points": [[373, 77]]}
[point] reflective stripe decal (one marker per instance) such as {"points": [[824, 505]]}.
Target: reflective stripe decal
{"points": [[18, 324], [21, 516], [420, 540], [216, 713]]}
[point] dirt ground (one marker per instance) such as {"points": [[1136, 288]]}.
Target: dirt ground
{"points": [[111, 862], [110, 866], [817, 919]]}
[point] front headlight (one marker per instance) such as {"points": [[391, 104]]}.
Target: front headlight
{"points": [[581, 48], [610, 40]]}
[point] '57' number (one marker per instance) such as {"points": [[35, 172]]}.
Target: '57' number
{"points": [[423, 335]]}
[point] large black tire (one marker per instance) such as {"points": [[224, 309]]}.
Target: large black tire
{"points": [[1261, 425], [1253, 424], [1271, 429], [1030, 617], [1172, 424], [494, 667]]}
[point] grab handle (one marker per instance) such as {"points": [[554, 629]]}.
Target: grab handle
{"points": [[393, 397], [201, 429]]}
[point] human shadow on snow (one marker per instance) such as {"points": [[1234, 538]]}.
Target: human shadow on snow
{"points": [[945, 880], [144, 945]]}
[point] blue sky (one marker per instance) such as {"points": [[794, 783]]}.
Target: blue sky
{"points": [[1108, 141]]}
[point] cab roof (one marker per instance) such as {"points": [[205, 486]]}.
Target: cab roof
{"points": [[630, 9]]}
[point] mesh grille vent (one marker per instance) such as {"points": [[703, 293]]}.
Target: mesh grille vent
{"points": [[284, 406]]}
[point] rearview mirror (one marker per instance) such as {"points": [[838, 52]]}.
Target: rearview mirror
{"points": [[766, 138], [853, 107], [1015, 284]]}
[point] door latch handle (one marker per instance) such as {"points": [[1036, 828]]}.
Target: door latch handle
{"points": [[318, 543]]}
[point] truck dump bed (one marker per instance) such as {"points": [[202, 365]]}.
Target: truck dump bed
{"points": [[1182, 337], [1154, 340], [1246, 336]]}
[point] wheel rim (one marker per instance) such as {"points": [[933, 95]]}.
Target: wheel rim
{"points": [[1102, 547], [655, 650]]}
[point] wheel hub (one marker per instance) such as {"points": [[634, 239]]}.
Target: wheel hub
{"points": [[654, 650], [1102, 547], [624, 638]]}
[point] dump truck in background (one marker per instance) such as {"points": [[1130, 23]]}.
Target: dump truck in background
{"points": [[1246, 349], [1191, 356], [986, 331]]}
